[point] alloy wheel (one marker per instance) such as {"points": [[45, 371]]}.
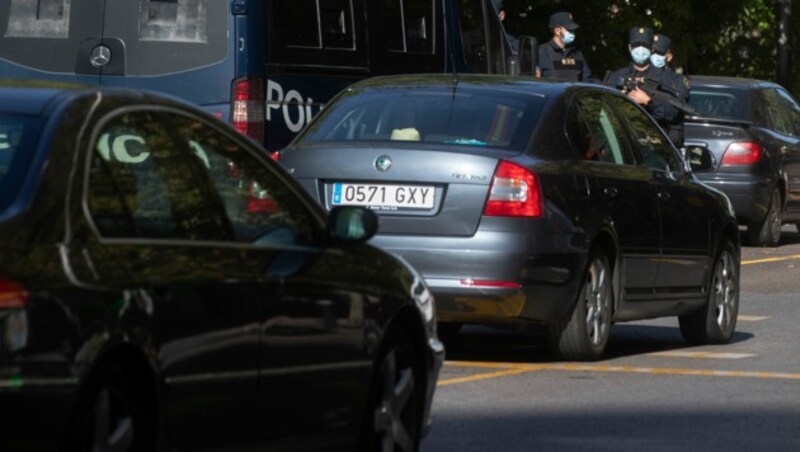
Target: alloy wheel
{"points": [[111, 422], [393, 423], [725, 291], [597, 303]]}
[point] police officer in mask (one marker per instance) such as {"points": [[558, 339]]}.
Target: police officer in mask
{"points": [[640, 71], [661, 58], [559, 58]]}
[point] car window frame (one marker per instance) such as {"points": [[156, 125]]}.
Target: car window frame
{"points": [[621, 135]]}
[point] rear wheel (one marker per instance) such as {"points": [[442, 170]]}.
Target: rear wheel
{"points": [[715, 322], [584, 334], [768, 231], [393, 418]]}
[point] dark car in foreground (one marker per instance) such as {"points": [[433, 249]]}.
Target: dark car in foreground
{"points": [[522, 202], [165, 286], [750, 130]]}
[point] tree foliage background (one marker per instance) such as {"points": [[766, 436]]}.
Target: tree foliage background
{"points": [[730, 37]]}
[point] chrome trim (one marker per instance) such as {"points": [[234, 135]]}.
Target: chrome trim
{"points": [[21, 382], [244, 374]]}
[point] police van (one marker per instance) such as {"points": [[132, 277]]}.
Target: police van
{"points": [[267, 66]]}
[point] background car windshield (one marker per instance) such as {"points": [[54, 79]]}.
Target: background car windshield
{"points": [[437, 115], [719, 103], [18, 136]]}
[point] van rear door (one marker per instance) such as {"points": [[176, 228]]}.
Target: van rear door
{"points": [[51, 39]]}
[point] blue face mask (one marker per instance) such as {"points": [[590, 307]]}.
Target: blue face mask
{"points": [[640, 55], [658, 60], [568, 37]]}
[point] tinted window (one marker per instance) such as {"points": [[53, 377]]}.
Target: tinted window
{"points": [[18, 136], [409, 25], [469, 117], [141, 187], [782, 111], [259, 205], [316, 24], [653, 146], [595, 132], [496, 39], [719, 103], [473, 35]]}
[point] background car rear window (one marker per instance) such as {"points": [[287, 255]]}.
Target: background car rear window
{"points": [[470, 118], [719, 103], [18, 136]]}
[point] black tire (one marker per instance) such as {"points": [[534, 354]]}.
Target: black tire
{"points": [[393, 418], [767, 232], [715, 322], [109, 416], [583, 335]]}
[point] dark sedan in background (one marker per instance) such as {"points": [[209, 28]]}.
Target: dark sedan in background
{"points": [[529, 203], [165, 286], [751, 131]]}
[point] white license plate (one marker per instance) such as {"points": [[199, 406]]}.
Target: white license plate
{"points": [[383, 196]]}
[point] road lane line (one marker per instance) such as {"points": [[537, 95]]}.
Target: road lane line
{"points": [[706, 355], [771, 259], [486, 376], [752, 318]]}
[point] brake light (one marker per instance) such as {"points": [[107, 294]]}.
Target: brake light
{"points": [[247, 110], [742, 153], [514, 193], [12, 295], [275, 155]]}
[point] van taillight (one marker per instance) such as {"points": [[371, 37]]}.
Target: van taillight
{"points": [[12, 295], [742, 153], [514, 193], [248, 113]]}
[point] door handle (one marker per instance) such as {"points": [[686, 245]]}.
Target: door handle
{"points": [[663, 195], [610, 191]]}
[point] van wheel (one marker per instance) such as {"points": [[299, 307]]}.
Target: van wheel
{"points": [[109, 417], [584, 334], [715, 322], [768, 231], [393, 421]]}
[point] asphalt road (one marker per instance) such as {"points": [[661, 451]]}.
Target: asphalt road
{"points": [[501, 391]]}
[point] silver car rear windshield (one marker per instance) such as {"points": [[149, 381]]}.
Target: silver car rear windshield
{"points": [[469, 117], [18, 136]]}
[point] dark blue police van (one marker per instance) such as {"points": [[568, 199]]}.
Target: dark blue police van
{"points": [[267, 66]]}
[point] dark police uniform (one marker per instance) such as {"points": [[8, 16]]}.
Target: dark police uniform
{"points": [[665, 114], [680, 86], [566, 63]]}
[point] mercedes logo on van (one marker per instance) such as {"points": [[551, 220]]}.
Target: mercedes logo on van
{"points": [[383, 163], [101, 56]]}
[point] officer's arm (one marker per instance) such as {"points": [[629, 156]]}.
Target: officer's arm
{"points": [[587, 73], [662, 111], [545, 64]]}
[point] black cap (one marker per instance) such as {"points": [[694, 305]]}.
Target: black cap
{"points": [[661, 44], [563, 19], [642, 36]]}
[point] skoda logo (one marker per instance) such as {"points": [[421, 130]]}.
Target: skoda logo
{"points": [[383, 163], [101, 56]]}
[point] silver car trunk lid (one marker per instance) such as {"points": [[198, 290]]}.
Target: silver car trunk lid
{"points": [[415, 189]]}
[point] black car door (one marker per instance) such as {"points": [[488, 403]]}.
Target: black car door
{"points": [[162, 226], [617, 191], [312, 356], [683, 205]]}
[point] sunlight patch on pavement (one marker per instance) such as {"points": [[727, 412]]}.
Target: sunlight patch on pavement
{"points": [[712, 355], [752, 318]]}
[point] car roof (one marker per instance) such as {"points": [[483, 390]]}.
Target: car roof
{"points": [[520, 84], [728, 82]]}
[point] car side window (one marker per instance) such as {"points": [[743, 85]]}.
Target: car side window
{"points": [[139, 187], [259, 205], [654, 147], [595, 132], [790, 110], [780, 118], [473, 35], [496, 38]]}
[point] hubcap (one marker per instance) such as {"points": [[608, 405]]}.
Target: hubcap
{"points": [[597, 303], [724, 291], [112, 426], [397, 389]]}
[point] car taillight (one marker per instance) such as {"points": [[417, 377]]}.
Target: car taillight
{"points": [[247, 110], [742, 153], [12, 295], [514, 193]]}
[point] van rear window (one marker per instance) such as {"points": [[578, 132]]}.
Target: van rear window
{"points": [[18, 137]]}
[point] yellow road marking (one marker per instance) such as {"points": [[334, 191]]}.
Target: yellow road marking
{"points": [[713, 355], [752, 318], [509, 369], [771, 259]]}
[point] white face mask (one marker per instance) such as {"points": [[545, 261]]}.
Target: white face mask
{"points": [[568, 37], [640, 55], [658, 60]]}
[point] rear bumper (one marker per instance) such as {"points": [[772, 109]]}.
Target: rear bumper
{"points": [[542, 270], [749, 194]]}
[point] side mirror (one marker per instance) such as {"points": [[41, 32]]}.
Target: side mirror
{"points": [[528, 55], [699, 159], [352, 224]]}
